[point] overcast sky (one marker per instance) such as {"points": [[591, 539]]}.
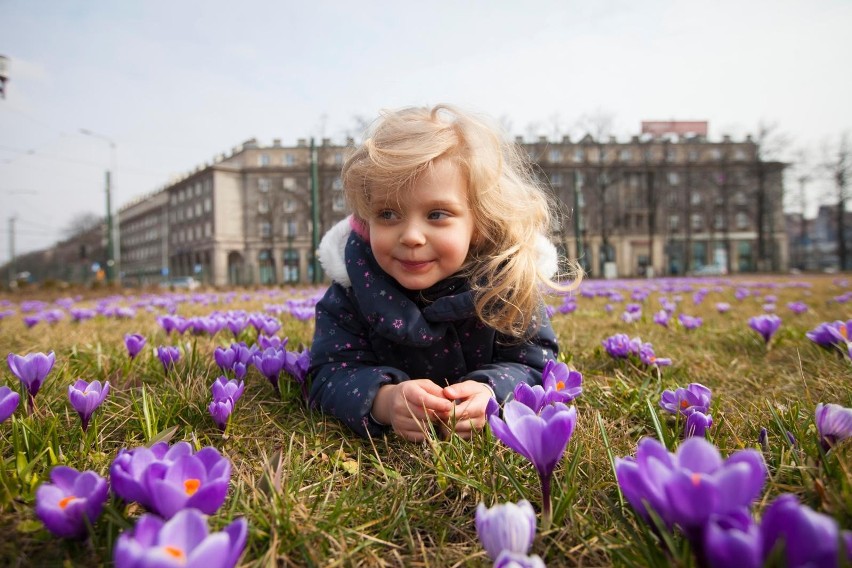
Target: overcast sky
{"points": [[175, 82]]}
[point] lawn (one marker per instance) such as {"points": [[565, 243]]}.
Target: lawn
{"points": [[314, 494]]}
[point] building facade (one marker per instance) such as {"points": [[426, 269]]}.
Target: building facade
{"points": [[668, 202]]}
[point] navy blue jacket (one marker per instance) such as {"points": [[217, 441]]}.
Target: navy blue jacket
{"points": [[372, 332]]}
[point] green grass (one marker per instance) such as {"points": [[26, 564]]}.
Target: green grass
{"points": [[316, 495]]}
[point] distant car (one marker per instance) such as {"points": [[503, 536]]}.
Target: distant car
{"points": [[710, 270], [186, 282]]}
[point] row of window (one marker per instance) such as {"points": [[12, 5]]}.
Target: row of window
{"points": [[190, 234], [139, 254], [290, 159], [741, 221], [132, 239], [636, 180], [142, 223], [579, 154], [192, 190]]}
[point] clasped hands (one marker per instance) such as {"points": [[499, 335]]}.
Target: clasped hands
{"points": [[411, 405]]}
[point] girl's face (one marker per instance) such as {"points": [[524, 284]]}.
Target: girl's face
{"points": [[421, 236]]}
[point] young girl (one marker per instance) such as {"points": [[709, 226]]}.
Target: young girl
{"points": [[436, 301]]}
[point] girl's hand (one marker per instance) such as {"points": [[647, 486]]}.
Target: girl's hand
{"points": [[410, 406], [471, 398]]}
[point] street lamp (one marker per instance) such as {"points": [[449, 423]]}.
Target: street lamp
{"points": [[111, 264]]}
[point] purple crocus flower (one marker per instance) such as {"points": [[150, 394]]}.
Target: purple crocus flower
{"points": [[662, 318], [70, 500], [842, 333], [766, 325], [224, 388], [128, 469], [9, 400], [723, 307], [689, 322], [647, 356], [618, 346], [541, 438], [220, 410], [86, 397], [134, 343], [506, 527], [183, 541], [826, 334], [697, 424], [834, 423], [809, 538], [797, 307], [514, 560], [296, 364], [732, 540], [168, 356], [275, 342], [237, 325], [270, 363], [197, 480], [562, 383], [31, 369], [685, 401], [687, 487]]}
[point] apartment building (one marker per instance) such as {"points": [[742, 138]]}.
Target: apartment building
{"points": [[666, 202]]}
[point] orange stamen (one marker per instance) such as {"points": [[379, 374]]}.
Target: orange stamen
{"points": [[175, 552], [191, 486], [696, 479], [560, 385], [683, 404], [66, 501], [844, 332]]}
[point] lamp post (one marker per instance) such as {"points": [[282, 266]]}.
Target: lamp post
{"points": [[111, 263]]}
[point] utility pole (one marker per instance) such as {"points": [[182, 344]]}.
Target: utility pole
{"points": [[315, 215], [111, 264]]}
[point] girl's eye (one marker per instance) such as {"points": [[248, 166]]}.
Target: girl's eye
{"points": [[386, 215], [438, 215]]}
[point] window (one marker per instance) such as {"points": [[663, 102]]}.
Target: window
{"points": [[741, 220], [289, 160], [692, 156], [578, 154], [695, 198], [740, 198], [180, 214], [263, 160], [198, 189], [173, 199], [198, 209], [289, 205], [208, 205], [673, 198], [634, 180], [289, 183], [555, 155], [556, 179], [265, 229], [338, 202], [197, 232], [337, 184], [674, 178], [290, 228], [338, 158], [263, 206], [697, 222], [671, 154], [263, 184], [674, 221], [739, 154], [716, 154], [189, 212], [625, 155], [719, 221], [208, 229]]}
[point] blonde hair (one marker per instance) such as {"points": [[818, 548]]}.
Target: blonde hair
{"points": [[510, 209]]}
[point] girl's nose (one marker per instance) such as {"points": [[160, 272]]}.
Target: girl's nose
{"points": [[412, 235]]}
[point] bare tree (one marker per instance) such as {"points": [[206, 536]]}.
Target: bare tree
{"points": [[770, 144], [80, 223], [840, 168]]}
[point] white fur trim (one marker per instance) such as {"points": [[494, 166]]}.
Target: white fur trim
{"points": [[548, 258], [331, 252]]}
